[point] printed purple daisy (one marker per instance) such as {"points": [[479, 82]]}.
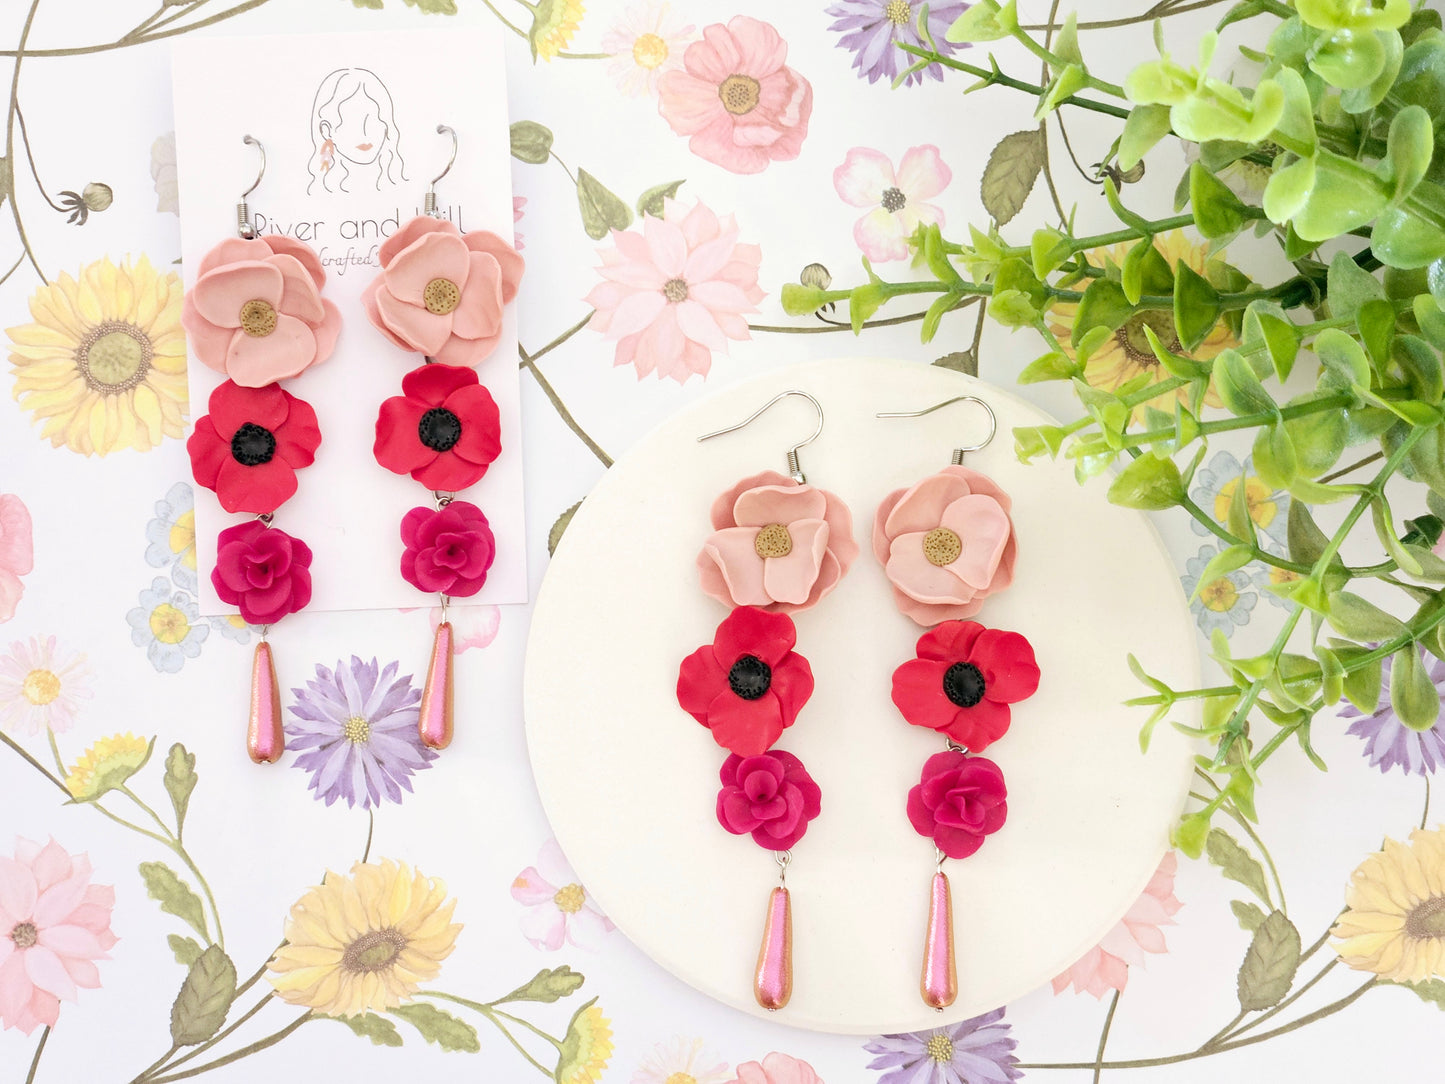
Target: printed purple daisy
{"points": [[975, 1051], [1389, 743], [873, 29]]}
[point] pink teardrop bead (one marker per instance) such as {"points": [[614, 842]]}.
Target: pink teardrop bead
{"points": [[939, 984], [265, 740], [773, 983], [434, 723]]}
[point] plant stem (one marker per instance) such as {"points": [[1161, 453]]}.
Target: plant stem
{"points": [[1240, 819], [997, 77], [244, 1052], [10, 138], [560, 339], [1286, 1003], [1158, 11], [41, 768], [1104, 1036], [214, 1040], [105, 47], [370, 830], [39, 1049], [153, 1066], [1425, 813], [561, 408], [495, 1015], [1214, 1039]]}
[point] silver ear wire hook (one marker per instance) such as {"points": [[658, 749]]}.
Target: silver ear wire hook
{"points": [[793, 467], [243, 212], [429, 202], [957, 452]]}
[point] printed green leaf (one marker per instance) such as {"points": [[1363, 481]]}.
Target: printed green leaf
{"points": [[548, 985], [960, 361], [1247, 914], [374, 5], [559, 528], [1431, 991], [1236, 863], [434, 7], [1412, 693], [1196, 306], [380, 1030], [186, 950], [180, 780], [174, 895], [652, 203], [601, 209], [439, 1027], [1149, 482], [1013, 168], [1269, 964], [531, 142], [204, 999]]}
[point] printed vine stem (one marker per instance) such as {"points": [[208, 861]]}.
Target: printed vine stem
{"points": [[39, 1049], [1108, 1020], [10, 139], [494, 1016], [122, 43], [244, 1052], [515, 29]]}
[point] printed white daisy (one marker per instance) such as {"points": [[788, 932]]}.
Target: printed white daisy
{"points": [[41, 686], [682, 1061], [644, 43]]}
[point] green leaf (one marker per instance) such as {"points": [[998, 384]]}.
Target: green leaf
{"points": [[1343, 358], [1221, 564], [1353, 15], [559, 528], [1196, 306], [935, 254], [1410, 145], [1307, 543], [1048, 249], [1412, 694], [1089, 342], [865, 300], [1247, 914], [1412, 234], [1236, 863], [1146, 126], [1362, 684], [1239, 389], [601, 210], [1318, 439], [1332, 675], [1103, 305], [1012, 169], [1238, 519], [185, 949], [547, 985], [941, 307], [984, 21], [800, 300], [175, 896], [1066, 41], [1270, 963], [1189, 834], [1288, 190], [653, 201], [434, 7], [1350, 287], [1279, 336], [1068, 82], [1376, 321], [380, 1030], [1054, 366], [1218, 212], [204, 999], [1352, 616], [1274, 456], [1349, 59], [373, 5], [1431, 991], [1149, 482], [960, 361], [180, 780], [531, 142], [439, 1027], [1345, 195]]}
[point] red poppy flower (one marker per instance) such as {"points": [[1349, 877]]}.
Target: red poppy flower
{"points": [[250, 446], [963, 681], [748, 684], [444, 429]]}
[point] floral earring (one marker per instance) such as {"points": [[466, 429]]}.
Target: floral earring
{"points": [[256, 315], [441, 294], [778, 546], [947, 543]]}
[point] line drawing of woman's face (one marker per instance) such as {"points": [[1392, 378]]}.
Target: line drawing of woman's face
{"points": [[353, 129]]}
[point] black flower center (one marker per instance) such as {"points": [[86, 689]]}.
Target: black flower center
{"points": [[252, 445], [963, 684], [750, 677], [894, 199], [439, 429]]}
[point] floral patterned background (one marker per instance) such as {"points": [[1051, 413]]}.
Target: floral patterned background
{"points": [[168, 911]]}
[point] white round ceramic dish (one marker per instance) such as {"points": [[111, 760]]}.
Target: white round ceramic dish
{"points": [[629, 780]]}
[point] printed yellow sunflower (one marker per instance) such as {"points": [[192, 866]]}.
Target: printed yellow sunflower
{"points": [[1126, 353], [587, 1047], [553, 24], [103, 365], [365, 941], [1394, 921], [107, 764]]}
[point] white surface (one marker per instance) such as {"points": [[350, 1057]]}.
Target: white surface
{"points": [[348, 507], [628, 779]]}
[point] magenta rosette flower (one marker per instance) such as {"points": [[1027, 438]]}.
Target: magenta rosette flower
{"points": [[262, 571], [770, 796], [448, 550], [959, 800]]}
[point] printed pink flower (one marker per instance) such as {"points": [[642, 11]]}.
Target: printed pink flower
{"points": [[262, 571], [441, 292], [518, 203], [472, 626], [895, 199], [448, 550], [558, 908], [776, 1069], [736, 99], [771, 796], [17, 552], [776, 544], [256, 312], [947, 544], [676, 292], [1105, 967], [959, 799], [54, 925]]}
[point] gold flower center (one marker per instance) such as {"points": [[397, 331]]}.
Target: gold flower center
{"points": [[24, 934], [168, 624], [441, 296], [1136, 344], [941, 546], [258, 318], [739, 94], [569, 899], [40, 687], [940, 1048], [1219, 595], [114, 357], [375, 950], [649, 51], [357, 730], [773, 541], [674, 290], [182, 538], [897, 12], [680, 1077], [1427, 920]]}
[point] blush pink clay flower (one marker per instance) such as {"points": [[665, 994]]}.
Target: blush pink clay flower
{"points": [[1106, 966], [676, 292], [946, 543], [441, 292], [54, 925], [776, 544], [256, 312], [895, 198], [736, 99]]}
